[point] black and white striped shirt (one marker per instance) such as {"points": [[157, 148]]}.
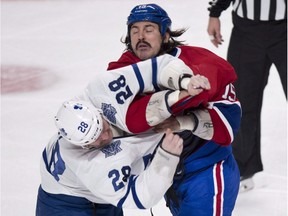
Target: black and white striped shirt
{"points": [[263, 10]]}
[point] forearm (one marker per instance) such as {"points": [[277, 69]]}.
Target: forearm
{"points": [[137, 110], [151, 110], [149, 187]]}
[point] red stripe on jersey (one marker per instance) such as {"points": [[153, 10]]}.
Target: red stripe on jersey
{"points": [[218, 189]]}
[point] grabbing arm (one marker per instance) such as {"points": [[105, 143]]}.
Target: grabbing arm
{"points": [[123, 187]]}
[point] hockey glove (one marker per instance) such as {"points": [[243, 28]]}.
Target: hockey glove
{"points": [[199, 122], [158, 108], [176, 75]]}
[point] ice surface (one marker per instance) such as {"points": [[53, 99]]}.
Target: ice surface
{"points": [[70, 42]]}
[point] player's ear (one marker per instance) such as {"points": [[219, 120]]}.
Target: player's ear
{"points": [[166, 37]]}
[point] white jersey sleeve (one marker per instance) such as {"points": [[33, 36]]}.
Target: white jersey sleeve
{"points": [[113, 91], [121, 173]]}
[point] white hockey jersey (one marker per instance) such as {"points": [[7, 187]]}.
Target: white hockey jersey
{"points": [[120, 174], [113, 92]]}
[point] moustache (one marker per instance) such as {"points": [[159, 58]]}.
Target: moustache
{"points": [[144, 42]]}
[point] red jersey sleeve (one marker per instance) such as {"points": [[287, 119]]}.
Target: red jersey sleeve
{"points": [[136, 117]]}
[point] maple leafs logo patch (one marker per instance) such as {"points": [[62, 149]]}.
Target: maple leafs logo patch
{"points": [[112, 149], [109, 112]]}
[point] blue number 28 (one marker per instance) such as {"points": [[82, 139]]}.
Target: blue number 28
{"points": [[125, 92]]}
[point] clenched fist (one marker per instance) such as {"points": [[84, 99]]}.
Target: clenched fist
{"points": [[197, 84], [172, 143]]}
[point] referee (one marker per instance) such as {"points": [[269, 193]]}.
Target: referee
{"points": [[258, 40]]}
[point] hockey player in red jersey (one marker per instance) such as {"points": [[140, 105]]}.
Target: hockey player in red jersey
{"points": [[207, 179]]}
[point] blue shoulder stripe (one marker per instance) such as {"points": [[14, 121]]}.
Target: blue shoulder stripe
{"points": [[44, 155], [55, 160]]}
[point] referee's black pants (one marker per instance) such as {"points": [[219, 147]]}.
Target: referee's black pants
{"points": [[254, 47]]}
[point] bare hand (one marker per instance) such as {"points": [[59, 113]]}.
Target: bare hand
{"points": [[172, 143], [214, 31], [197, 84]]}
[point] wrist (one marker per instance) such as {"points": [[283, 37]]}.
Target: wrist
{"points": [[167, 152], [184, 81]]}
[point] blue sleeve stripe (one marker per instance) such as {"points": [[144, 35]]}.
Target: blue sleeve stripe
{"points": [[139, 77], [131, 187], [135, 197], [154, 74]]}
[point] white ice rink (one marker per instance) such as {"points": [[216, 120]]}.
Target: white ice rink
{"points": [[50, 49]]}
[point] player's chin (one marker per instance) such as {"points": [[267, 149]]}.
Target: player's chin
{"points": [[144, 54], [103, 144]]}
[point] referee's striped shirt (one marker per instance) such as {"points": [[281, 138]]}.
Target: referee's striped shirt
{"points": [[263, 10]]}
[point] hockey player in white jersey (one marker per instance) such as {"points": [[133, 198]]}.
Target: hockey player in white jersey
{"points": [[89, 162], [84, 164]]}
